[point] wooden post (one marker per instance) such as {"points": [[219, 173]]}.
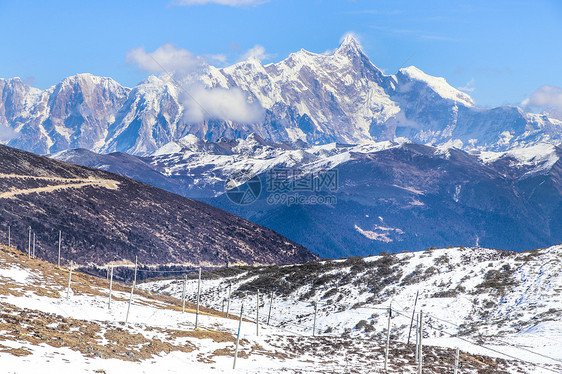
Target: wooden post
{"points": [[228, 302], [314, 323], [33, 245], [417, 336], [60, 240], [110, 286], [132, 290], [29, 244], [270, 305], [238, 336], [387, 337], [69, 280], [183, 293], [258, 313], [413, 313], [198, 298], [457, 361], [420, 355]]}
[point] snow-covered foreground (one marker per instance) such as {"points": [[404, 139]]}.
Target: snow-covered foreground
{"points": [[495, 303], [41, 330]]}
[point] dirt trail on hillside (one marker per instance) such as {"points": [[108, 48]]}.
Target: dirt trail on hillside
{"points": [[70, 183]]}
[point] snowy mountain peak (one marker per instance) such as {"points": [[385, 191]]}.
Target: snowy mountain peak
{"points": [[349, 44], [438, 85]]}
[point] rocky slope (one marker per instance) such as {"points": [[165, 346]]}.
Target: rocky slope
{"points": [[317, 98], [108, 218]]}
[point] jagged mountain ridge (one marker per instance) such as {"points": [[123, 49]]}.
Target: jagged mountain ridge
{"points": [[108, 218], [316, 98], [391, 195]]}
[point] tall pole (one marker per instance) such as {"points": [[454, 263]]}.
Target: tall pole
{"points": [[228, 302], [417, 336], [69, 280], [420, 355], [33, 245], [132, 290], [270, 305], [29, 244], [314, 323], [387, 338], [258, 313], [457, 361], [238, 336], [110, 286], [198, 298], [9, 236], [413, 313], [60, 240], [183, 293]]}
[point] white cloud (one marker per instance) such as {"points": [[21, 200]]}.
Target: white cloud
{"points": [[547, 99], [166, 59], [220, 2], [199, 103], [257, 52], [219, 103], [218, 57], [7, 134], [468, 87]]}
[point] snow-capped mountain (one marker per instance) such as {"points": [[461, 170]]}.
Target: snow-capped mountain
{"points": [[390, 195], [316, 98]]}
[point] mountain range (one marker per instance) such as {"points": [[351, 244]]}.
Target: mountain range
{"points": [[419, 164], [390, 196], [339, 96]]}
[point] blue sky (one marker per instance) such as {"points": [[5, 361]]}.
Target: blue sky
{"points": [[499, 51]]}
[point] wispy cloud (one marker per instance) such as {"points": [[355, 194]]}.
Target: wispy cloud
{"points": [[7, 134], [200, 103], [232, 104], [256, 52], [415, 33], [233, 3], [165, 59], [468, 87], [546, 99]]}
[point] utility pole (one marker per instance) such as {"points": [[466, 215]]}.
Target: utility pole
{"points": [[69, 280], [183, 293], [228, 302], [132, 290], [29, 244], [457, 361], [198, 298], [314, 323], [420, 355], [270, 305], [387, 337], [238, 336], [258, 313], [417, 337], [110, 286], [60, 239], [33, 245], [413, 313], [9, 236]]}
